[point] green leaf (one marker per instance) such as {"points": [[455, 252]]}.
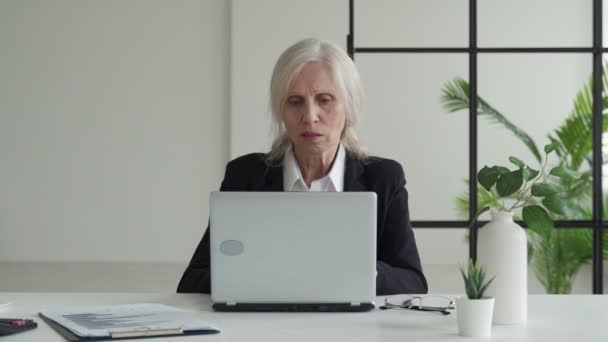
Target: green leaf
{"points": [[530, 173], [509, 183], [483, 289], [580, 188], [538, 220], [545, 189], [574, 135], [474, 279], [501, 169], [467, 281], [455, 97], [550, 147], [517, 162], [560, 204], [487, 177], [563, 171]]}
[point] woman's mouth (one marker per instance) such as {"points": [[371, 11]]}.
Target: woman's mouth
{"points": [[310, 135]]}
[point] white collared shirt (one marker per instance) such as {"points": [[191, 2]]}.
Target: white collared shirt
{"points": [[331, 182]]}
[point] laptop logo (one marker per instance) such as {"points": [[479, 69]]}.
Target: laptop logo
{"points": [[231, 247]]}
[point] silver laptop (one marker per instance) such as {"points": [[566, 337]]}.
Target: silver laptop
{"points": [[293, 251]]}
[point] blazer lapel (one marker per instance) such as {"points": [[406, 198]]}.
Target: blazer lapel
{"points": [[353, 175], [273, 179]]}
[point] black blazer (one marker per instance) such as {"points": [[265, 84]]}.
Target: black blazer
{"points": [[398, 263]]}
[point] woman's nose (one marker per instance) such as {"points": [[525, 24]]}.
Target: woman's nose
{"points": [[311, 113]]}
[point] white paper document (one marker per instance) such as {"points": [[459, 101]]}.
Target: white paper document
{"points": [[106, 320]]}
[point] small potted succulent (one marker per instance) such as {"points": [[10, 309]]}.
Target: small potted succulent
{"points": [[474, 312]]}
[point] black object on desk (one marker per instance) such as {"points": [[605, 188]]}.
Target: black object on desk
{"points": [[9, 326]]}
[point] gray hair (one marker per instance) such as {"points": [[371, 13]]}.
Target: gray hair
{"points": [[345, 74]]}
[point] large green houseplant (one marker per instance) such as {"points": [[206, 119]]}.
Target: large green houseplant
{"points": [[556, 254]]}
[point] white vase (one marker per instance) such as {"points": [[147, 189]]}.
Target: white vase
{"points": [[502, 249], [474, 316]]}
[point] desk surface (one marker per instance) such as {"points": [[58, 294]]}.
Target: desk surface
{"points": [[550, 318]]}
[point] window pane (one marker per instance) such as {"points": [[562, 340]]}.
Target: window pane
{"points": [[538, 95], [538, 23], [419, 23], [404, 120], [605, 24]]}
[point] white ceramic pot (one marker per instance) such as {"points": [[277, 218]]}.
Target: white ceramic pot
{"points": [[502, 249], [474, 316]]}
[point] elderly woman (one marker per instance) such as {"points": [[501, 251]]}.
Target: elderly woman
{"points": [[315, 97]]}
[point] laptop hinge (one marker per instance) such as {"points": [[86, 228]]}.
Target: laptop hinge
{"points": [[355, 304], [231, 303]]}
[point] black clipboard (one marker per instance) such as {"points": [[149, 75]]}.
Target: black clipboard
{"points": [[70, 336]]}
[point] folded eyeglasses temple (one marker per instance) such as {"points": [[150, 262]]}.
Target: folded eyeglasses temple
{"points": [[444, 311]]}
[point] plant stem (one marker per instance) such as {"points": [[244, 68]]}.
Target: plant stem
{"points": [[528, 185]]}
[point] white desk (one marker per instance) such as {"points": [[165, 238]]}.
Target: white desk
{"points": [[551, 318]]}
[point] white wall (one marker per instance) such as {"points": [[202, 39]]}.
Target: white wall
{"points": [[113, 127]]}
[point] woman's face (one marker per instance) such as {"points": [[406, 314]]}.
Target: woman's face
{"points": [[314, 112]]}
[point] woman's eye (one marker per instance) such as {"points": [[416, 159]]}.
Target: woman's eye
{"points": [[294, 102], [325, 100]]}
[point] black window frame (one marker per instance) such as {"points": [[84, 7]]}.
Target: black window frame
{"points": [[596, 223]]}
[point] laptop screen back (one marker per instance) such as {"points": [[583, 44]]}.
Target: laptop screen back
{"points": [[293, 247]]}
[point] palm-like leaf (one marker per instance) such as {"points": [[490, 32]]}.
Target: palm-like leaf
{"points": [[455, 97], [557, 259], [573, 137], [484, 199], [575, 134]]}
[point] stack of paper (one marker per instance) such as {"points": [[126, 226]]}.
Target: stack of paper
{"points": [[121, 321]]}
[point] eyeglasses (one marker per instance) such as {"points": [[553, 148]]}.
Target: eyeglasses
{"points": [[420, 303]]}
